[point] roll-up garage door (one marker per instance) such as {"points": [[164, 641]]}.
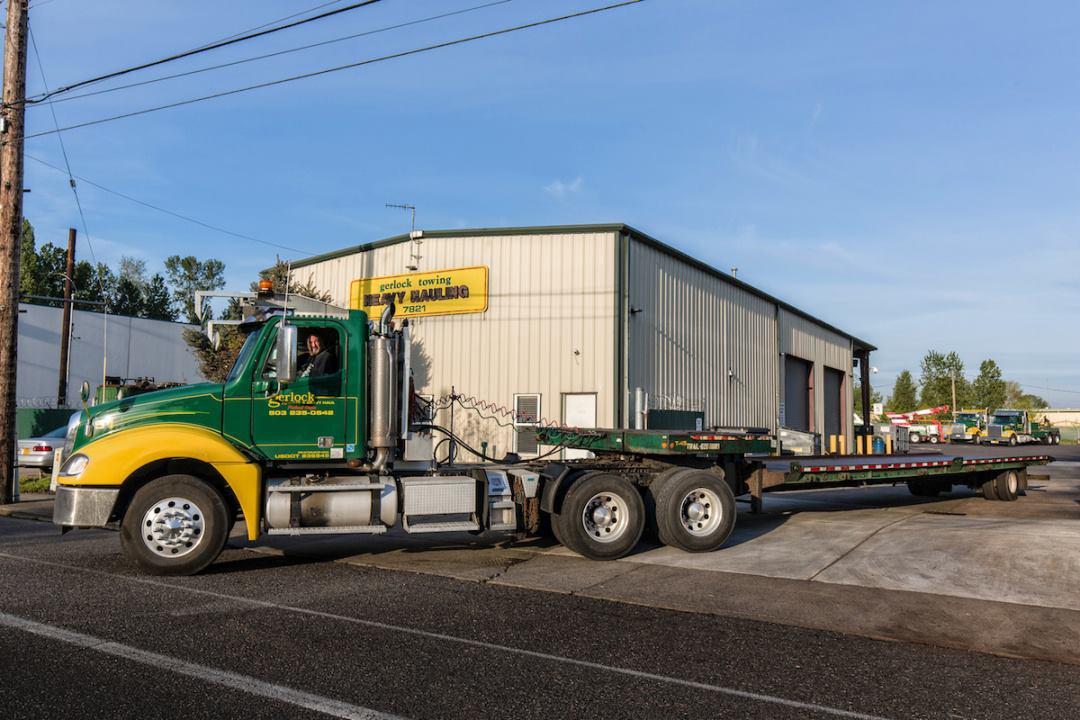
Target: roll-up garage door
{"points": [[797, 393], [834, 388]]}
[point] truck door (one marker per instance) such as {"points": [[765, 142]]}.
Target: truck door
{"points": [[306, 419]]}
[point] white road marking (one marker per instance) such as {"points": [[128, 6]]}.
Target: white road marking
{"points": [[244, 683], [416, 632]]}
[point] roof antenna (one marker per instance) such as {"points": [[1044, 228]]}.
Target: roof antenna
{"points": [[288, 277], [414, 235]]}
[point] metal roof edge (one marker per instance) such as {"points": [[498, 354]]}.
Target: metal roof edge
{"points": [[597, 228], [705, 267]]}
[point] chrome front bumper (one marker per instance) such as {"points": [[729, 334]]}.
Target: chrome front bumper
{"points": [[83, 507]]}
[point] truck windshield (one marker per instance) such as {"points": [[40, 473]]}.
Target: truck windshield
{"points": [[1005, 419], [969, 419], [242, 358]]}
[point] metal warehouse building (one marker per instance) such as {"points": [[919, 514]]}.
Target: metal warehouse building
{"points": [[594, 325]]}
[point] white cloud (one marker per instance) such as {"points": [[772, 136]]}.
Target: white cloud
{"points": [[561, 190]]}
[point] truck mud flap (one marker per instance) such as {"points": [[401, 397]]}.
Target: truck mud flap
{"points": [[557, 479]]}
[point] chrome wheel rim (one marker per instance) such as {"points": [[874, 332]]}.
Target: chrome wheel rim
{"points": [[173, 527], [604, 517], [700, 512]]}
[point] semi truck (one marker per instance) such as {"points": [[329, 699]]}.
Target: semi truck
{"points": [[969, 426], [333, 440], [1015, 427]]}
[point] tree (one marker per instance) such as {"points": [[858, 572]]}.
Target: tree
{"points": [[1017, 399], [903, 398], [95, 283], [856, 393], [988, 389], [157, 299], [127, 298], [215, 363], [41, 271], [938, 370], [187, 275], [280, 271], [134, 269]]}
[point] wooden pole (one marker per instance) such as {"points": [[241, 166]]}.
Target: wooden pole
{"points": [[65, 328], [11, 196]]}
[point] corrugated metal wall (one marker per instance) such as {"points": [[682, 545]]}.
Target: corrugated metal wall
{"points": [[808, 340], [548, 328], [137, 348], [691, 329]]}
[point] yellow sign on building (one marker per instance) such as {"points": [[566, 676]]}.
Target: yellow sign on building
{"points": [[422, 294]]}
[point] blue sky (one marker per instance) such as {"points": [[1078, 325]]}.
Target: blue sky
{"points": [[909, 172]]}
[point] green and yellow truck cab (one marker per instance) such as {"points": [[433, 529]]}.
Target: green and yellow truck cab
{"points": [[969, 426], [1015, 427]]}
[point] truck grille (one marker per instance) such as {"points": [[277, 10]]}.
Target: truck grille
{"points": [[994, 431]]}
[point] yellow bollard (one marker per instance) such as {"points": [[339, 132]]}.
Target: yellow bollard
{"points": [[888, 444], [859, 445], [832, 444], [842, 443]]}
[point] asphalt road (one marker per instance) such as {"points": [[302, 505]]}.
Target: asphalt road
{"points": [[81, 635]]}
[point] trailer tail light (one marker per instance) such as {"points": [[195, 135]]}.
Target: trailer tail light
{"points": [[42, 448]]}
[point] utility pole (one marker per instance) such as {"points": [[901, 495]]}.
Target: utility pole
{"points": [[954, 395], [12, 127], [65, 337]]}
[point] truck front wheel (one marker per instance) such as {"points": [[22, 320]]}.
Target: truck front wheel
{"points": [[175, 525], [602, 517], [695, 510], [1012, 440]]}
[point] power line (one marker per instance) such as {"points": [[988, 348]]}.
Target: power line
{"points": [[1050, 389], [282, 52], [274, 22], [63, 150], [175, 214], [198, 50], [349, 66]]}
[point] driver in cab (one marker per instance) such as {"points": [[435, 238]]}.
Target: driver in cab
{"points": [[320, 359]]}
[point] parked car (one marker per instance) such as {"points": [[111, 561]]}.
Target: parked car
{"points": [[38, 451]]}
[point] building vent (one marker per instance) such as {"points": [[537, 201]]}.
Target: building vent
{"points": [[526, 420]]}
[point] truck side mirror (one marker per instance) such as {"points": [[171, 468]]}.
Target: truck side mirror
{"points": [[286, 353], [84, 392]]}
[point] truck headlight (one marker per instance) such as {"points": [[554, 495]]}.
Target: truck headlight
{"points": [[75, 465]]}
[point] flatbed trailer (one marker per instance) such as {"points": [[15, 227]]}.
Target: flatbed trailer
{"points": [[749, 469]]}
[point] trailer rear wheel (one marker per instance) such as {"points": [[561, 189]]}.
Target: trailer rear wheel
{"points": [[694, 510], [988, 488], [602, 517], [1007, 485], [175, 525]]}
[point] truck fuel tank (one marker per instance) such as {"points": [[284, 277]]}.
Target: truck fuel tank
{"points": [[345, 502]]}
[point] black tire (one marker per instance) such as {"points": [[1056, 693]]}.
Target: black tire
{"points": [[709, 522], [588, 535], [1012, 441], [923, 488], [934, 439], [1007, 485], [197, 508], [989, 489], [915, 438]]}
